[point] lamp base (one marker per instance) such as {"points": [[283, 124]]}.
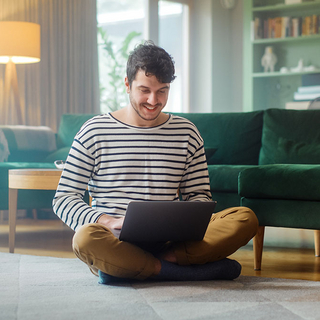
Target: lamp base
{"points": [[11, 81]]}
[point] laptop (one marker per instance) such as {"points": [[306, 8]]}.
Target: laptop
{"points": [[161, 221]]}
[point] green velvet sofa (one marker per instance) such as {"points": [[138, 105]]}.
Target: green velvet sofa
{"points": [[35, 147], [284, 190], [266, 160], [25, 147]]}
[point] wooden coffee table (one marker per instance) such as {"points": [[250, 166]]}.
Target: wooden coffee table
{"points": [[33, 179]]}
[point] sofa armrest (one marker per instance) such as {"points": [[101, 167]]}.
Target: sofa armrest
{"points": [[28, 143], [281, 181], [224, 178]]}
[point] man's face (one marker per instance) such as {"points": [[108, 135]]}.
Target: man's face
{"points": [[147, 97]]}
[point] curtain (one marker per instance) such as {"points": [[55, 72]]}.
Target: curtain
{"points": [[66, 80]]}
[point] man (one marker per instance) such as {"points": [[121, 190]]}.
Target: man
{"points": [[141, 153]]}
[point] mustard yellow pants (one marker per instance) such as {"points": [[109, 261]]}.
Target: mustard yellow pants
{"points": [[228, 230]]}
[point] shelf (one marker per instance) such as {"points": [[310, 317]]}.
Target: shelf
{"points": [[280, 7], [281, 74], [262, 90], [287, 39]]}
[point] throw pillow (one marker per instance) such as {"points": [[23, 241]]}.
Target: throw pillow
{"points": [[4, 149], [290, 151], [209, 154]]}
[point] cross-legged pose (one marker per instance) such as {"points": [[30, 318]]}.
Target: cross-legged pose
{"points": [[141, 153]]}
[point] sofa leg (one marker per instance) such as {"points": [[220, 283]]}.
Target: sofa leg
{"points": [[258, 247], [1, 216], [34, 214], [317, 242]]}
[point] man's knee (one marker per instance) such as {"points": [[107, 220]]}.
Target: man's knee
{"points": [[250, 218], [82, 236], [249, 222], [237, 213], [242, 219], [86, 236]]}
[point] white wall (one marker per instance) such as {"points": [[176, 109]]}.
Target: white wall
{"points": [[216, 57], [237, 56], [200, 56]]}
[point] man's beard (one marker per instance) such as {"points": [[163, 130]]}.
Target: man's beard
{"points": [[136, 109]]}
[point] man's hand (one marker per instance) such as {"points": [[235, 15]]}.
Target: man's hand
{"points": [[111, 222]]}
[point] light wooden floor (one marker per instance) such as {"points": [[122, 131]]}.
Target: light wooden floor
{"points": [[52, 238]]}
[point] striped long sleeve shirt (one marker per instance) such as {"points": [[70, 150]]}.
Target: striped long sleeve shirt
{"points": [[119, 163]]}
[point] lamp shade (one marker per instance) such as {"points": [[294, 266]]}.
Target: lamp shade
{"points": [[19, 41]]}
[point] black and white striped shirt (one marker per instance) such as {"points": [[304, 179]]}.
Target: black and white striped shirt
{"points": [[121, 163]]}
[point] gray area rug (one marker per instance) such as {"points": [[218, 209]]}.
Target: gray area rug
{"points": [[54, 288]]}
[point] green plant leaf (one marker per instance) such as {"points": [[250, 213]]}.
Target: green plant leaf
{"points": [[126, 43], [111, 96]]}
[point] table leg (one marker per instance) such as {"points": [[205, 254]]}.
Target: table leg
{"points": [[317, 242], [13, 198]]}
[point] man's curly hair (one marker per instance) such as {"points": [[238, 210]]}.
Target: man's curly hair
{"points": [[153, 60]]}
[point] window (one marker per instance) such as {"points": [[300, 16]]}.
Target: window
{"points": [[116, 21], [125, 19], [173, 37]]}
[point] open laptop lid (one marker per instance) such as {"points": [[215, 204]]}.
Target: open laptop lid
{"points": [[153, 221]]}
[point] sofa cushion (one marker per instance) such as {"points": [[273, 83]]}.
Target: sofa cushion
{"points": [[29, 143], [290, 136], [225, 200], [69, 126], [281, 181], [235, 136], [60, 154], [285, 213], [224, 178], [290, 151]]}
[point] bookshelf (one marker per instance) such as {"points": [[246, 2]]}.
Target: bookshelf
{"points": [[262, 90]]}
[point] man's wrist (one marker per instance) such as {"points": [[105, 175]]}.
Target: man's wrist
{"points": [[110, 222], [103, 218]]}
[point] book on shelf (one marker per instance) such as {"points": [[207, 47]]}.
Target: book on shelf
{"points": [[305, 96], [310, 79], [282, 27], [292, 1], [257, 28], [298, 105], [295, 27], [309, 89]]}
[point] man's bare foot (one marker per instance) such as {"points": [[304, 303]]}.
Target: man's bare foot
{"points": [[157, 267], [169, 256]]}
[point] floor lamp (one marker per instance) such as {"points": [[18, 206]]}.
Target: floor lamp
{"points": [[19, 44]]}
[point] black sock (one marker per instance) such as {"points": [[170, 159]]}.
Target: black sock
{"points": [[224, 269], [105, 278]]}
